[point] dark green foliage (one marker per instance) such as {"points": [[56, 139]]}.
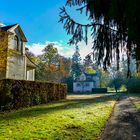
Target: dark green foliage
{"points": [[133, 85], [99, 90], [116, 83], [76, 66], [69, 82], [113, 23], [19, 93]]}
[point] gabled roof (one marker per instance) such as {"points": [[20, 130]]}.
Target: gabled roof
{"points": [[6, 28], [13, 26]]}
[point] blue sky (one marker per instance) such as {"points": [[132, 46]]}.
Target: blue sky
{"points": [[39, 21]]}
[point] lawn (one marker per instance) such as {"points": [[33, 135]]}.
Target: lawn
{"points": [[77, 118], [136, 100]]}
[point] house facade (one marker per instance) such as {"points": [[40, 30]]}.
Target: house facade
{"points": [[86, 83], [16, 64]]}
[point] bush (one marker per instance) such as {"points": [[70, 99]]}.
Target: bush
{"points": [[133, 85], [15, 94]]}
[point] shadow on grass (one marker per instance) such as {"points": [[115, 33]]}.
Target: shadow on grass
{"points": [[57, 106]]}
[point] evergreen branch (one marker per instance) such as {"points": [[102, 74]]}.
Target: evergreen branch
{"points": [[64, 16]]}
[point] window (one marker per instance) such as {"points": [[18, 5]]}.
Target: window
{"points": [[16, 43], [78, 84], [87, 84], [20, 46]]}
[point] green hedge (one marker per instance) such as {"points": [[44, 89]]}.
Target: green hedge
{"points": [[15, 94], [133, 85]]}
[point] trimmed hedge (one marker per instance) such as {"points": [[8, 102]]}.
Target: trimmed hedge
{"points": [[15, 94], [99, 90]]}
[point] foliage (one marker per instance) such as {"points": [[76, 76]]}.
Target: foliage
{"points": [[103, 78], [135, 98], [3, 49], [76, 66], [17, 93], [66, 120], [69, 81], [90, 70], [50, 65], [117, 82], [88, 61], [113, 23], [133, 85], [50, 54], [5, 52]]}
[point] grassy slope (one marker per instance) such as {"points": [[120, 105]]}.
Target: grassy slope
{"points": [[66, 120]]}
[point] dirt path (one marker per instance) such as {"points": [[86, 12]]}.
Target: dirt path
{"points": [[124, 123]]}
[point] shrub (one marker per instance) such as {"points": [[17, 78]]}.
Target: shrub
{"points": [[15, 94], [133, 85]]}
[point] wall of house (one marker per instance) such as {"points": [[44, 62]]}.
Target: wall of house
{"points": [[96, 83], [31, 75], [83, 86], [16, 63], [16, 67]]}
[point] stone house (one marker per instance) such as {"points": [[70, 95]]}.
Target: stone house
{"points": [[15, 64]]}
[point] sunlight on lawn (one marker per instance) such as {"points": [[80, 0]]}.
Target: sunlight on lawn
{"points": [[136, 100], [65, 120]]}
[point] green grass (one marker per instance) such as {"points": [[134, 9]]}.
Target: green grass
{"points": [[135, 98], [73, 119]]}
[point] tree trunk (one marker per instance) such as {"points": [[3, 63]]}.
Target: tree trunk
{"points": [[116, 90]]}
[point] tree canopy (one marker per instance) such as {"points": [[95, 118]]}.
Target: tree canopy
{"points": [[114, 25]]}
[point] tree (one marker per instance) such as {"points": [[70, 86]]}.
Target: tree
{"points": [[76, 66], [118, 78], [114, 24], [116, 82], [69, 81], [88, 61], [50, 66], [50, 56]]}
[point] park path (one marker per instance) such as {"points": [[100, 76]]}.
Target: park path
{"points": [[124, 123]]}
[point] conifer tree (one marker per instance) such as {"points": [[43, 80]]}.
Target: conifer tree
{"points": [[76, 65], [114, 24]]}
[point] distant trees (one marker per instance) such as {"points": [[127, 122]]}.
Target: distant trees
{"points": [[117, 81], [50, 65]]}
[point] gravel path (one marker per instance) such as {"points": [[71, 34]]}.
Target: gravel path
{"points": [[124, 123]]}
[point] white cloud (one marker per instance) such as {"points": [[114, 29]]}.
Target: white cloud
{"points": [[2, 24], [64, 50], [85, 49], [36, 48]]}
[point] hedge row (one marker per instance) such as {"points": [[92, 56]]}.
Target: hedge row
{"points": [[15, 94]]}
